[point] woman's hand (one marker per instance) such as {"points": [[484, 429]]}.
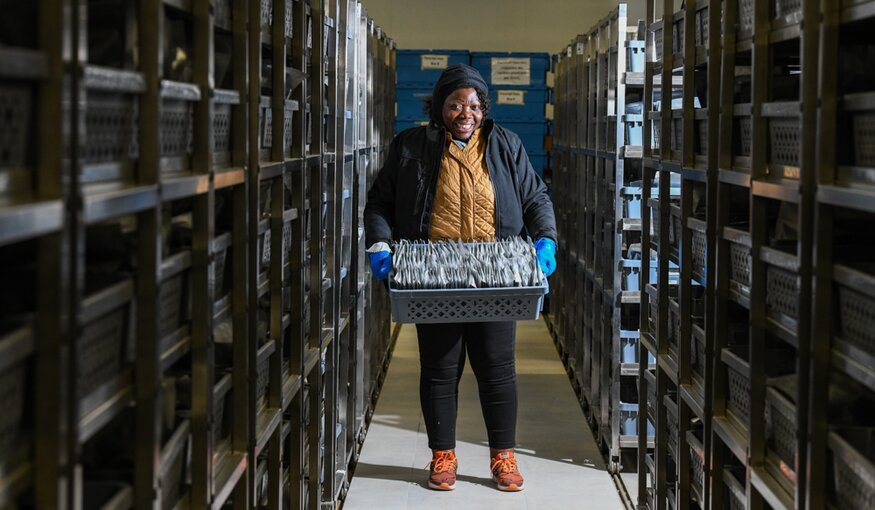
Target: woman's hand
{"points": [[546, 252], [381, 264]]}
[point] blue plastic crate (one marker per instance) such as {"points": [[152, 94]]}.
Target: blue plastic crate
{"points": [[630, 352], [401, 124], [635, 52], [629, 420], [513, 104], [424, 67], [521, 69], [410, 101], [531, 133]]}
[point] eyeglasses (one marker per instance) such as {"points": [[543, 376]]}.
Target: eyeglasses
{"points": [[458, 107]]}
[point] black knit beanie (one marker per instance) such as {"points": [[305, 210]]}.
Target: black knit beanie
{"points": [[456, 76]]}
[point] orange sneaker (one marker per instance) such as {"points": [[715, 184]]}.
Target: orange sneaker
{"points": [[443, 467], [505, 472]]}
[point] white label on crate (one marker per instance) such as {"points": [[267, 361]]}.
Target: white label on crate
{"points": [[433, 62], [511, 71], [580, 48], [511, 97], [548, 111]]}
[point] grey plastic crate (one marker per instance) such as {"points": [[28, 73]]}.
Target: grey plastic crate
{"points": [[12, 396], [698, 352], [702, 26], [739, 260], [223, 101], [173, 466], [736, 495], [745, 17], [671, 418], [677, 43], [16, 110], [111, 127], [780, 414], [786, 10], [856, 307], [674, 324], [701, 123], [738, 372], [853, 470], [177, 131], [785, 135], [170, 303], [467, 305], [864, 138], [265, 121], [699, 247], [101, 348], [782, 286], [220, 395], [697, 461]]}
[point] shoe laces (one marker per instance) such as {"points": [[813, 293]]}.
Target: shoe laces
{"points": [[444, 460], [504, 465]]}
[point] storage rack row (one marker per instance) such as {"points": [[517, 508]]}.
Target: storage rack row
{"points": [[597, 190], [187, 321], [766, 135]]}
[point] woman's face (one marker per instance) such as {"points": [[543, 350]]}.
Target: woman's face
{"points": [[462, 113]]}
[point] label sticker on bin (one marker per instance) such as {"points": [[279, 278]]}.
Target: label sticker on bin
{"points": [[511, 71], [430, 61], [511, 97]]}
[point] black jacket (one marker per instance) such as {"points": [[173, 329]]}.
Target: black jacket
{"points": [[401, 199]]}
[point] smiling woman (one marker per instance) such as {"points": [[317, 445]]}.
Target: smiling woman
{"points": [[462, 177]]}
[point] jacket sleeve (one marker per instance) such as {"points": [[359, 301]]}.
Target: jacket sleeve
{"points": [[538, 214], [380, 207]]}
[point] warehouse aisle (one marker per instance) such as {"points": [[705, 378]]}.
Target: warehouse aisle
{"points": [[558, 456]]}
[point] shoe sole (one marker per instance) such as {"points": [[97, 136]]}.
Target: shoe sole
{"points": [[507, 488], [441, 487]]}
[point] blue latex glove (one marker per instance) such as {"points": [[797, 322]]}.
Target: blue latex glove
{"points": [[546, 251], [381, 264]]}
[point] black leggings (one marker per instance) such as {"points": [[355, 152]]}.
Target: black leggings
{"points": [[490, 345]]}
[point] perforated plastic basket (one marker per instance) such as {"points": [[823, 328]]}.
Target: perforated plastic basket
{"points": [[780, 414], [467, 305], [853, 470]]}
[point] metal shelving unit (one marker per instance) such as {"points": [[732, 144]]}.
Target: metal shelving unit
{"points": [[180, 210], [750, 197], [598, 189]]}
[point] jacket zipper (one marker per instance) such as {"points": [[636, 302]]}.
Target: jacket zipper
{"points": [[425, 220], [494, 190]]}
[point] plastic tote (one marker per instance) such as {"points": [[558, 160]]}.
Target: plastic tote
{"points": [[427, 306], [521, 69], [424, 67]]}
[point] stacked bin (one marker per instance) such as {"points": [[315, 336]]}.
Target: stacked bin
{"points": [[599, 202], [416, 73], [184, 243], [518, 97]]}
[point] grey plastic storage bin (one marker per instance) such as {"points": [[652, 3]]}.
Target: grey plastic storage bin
{"points": [[427, 306]]}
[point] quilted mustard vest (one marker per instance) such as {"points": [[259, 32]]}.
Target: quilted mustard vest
{"points": [[464, 203]]}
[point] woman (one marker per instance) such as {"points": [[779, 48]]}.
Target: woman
{"points": [[461, 177]]}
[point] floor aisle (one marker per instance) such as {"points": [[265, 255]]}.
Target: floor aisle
{"points": [[557, 453]]}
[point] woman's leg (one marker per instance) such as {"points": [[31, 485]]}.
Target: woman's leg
{"points": [[441, 360], [491, 348]]}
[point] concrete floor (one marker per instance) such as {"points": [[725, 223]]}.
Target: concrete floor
{"points": [[557, 454]]}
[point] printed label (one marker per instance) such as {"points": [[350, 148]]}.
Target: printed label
{"points": [[433, 62], [511, 97], [511, 71], [580, 48]]}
